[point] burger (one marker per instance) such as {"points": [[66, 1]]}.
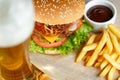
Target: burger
{"points": [[59, 26]]}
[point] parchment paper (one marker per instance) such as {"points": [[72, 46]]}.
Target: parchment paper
{"points": [[60, 67]]}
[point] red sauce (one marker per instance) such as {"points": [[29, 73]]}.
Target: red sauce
{"points": [[100, 13]]}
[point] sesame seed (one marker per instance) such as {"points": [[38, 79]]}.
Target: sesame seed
{"points": [[38, 6], [54, 6], [49, 4], [52, 10], [37, 1], [46, 9]]}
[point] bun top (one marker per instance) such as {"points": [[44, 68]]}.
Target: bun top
{"points": [[55, 12]]}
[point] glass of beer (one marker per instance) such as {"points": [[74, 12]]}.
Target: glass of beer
{"points": [[16, 26]]}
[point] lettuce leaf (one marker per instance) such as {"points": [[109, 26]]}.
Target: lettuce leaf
{"points": [[73, 43]]}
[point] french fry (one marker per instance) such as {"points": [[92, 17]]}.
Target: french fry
{"points": [[85, 50], [105, 50], [111, 61], [97, 64], [105, 62], [100, 59], [80, 56], [90, 47], [98, 49], [108, 66], [109, 45], [114, 41], [114, 29], [87, 59], [91, 39], [105, 71], [87, 56], [83, 53], [111, 73]]}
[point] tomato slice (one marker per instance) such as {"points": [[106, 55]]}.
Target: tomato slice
{"points": [[47, 44]]}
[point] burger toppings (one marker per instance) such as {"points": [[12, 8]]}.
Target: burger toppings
{"points": [[71, 43], [49, 36]]}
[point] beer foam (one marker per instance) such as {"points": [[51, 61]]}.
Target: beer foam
{"points": [[16, 21]]}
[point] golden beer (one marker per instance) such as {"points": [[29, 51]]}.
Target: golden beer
{"points": [[14, 63], [16, 26]]}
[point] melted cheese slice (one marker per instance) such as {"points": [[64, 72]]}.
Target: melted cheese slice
{"points": [[51, 38]]}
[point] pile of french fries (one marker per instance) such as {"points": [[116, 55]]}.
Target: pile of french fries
{"points": [[102, 51]]}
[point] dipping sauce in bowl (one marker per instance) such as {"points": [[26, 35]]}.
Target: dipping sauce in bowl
{"points": [[100, 13]]}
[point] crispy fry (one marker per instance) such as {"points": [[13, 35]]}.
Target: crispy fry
{"points": [[114, 29], [85, 49], [105, 50], [97, 64], [114, 41], [111, 73], [109, 45], [86, 57], [108, 66], [80, 56], [90, 47], [111, 61], [98, 49], [118, 59], [100, 59], [91, 39], [83, 52], [105, 70], [105, 62]]}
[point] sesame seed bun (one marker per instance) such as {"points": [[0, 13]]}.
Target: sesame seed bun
{"points": [[55, 12]]}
